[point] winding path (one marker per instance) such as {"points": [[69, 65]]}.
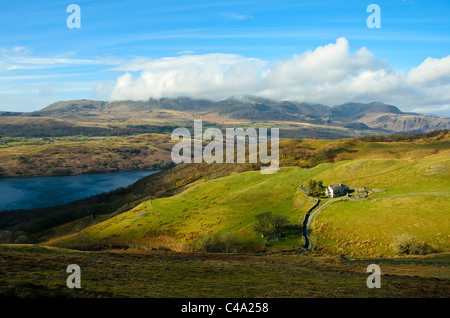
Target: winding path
{"points": [[311, 215]]}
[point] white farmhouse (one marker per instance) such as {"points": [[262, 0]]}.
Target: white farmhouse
{"points": [[336, 190]]}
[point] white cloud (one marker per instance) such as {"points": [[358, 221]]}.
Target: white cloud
{"points": [[330, 74], [430, 71], [211, 76], [21, 58]]}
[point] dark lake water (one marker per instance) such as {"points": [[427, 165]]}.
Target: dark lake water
{"points": [[38, 192]]}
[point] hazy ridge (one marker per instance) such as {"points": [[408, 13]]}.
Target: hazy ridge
{"points": [[374, 116]]}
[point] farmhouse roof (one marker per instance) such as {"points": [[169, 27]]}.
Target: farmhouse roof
{"points": [[338, 186]]}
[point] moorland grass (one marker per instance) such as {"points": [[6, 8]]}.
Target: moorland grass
{"points": [[34, 271]]}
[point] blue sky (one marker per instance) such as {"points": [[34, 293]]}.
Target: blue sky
{"points": [[122, 50]]}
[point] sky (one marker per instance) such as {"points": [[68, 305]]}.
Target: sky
{"points": [[309, 51]]}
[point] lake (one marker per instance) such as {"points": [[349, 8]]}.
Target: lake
{"points": [[39, 192]]}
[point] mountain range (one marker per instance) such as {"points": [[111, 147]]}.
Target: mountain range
{"points": [[373, 117]]}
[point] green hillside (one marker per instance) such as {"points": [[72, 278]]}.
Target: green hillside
{"points": [[371, 227], [225, 205], [407, 187]]}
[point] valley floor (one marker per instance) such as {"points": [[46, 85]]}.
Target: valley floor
{"points": [[37, 271]]}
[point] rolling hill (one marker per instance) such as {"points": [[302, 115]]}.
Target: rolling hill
{"points": [[189, 230], [408, 184], [357, 118]]}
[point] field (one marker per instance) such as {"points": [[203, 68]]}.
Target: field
{"points": [[370, 227], [406, 196], [35, 271]]}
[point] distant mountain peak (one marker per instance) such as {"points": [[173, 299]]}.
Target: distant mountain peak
{"points": [[372, 115]]}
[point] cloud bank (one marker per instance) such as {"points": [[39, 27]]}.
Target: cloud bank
{"points": [[330, 74]]}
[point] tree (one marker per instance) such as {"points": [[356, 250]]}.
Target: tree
{"points": [[270, 225], [315, 188], [410, 245]]}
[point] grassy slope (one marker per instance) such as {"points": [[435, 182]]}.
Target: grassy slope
{"points": [[224, 205], [407, 206], [369, 227], [34, 271], [230, 204]]}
